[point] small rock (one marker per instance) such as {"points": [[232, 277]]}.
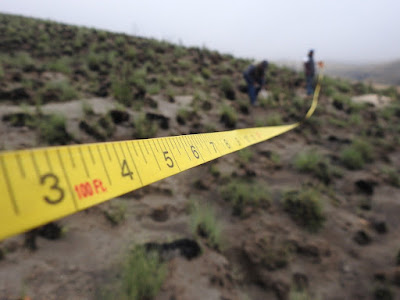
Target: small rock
{"points": [[160, 214]]}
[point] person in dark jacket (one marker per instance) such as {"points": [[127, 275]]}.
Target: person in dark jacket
{"points": [[255, 79], [309, 70]]}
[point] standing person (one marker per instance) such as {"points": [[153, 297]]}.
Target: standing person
{"points": [[255, 79], [309, 70]]}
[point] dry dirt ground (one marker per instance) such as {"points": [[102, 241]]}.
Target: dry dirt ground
{"points": [[329, 263]]}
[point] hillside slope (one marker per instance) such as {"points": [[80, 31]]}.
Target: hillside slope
{"points": [[311, 214]]}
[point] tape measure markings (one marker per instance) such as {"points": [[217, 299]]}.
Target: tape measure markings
{"points": [[68, 182], [45, 184]]}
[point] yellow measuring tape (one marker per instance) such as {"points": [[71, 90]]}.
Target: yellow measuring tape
{"points": [[41, 185]]}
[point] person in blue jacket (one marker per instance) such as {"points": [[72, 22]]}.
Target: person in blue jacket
{"points": [[309, 70], [255, 79]]}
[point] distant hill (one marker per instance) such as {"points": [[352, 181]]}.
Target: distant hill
{"points": [[385, 73], [388, 73]]}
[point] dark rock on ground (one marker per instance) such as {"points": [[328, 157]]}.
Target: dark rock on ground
{"points": [[162, 121], [51, 231], [15, 94], [187, 248], [362, 238], [18, 119], [91, 130], [160, 214], [366, 186], [380, 226], [119, 116]]}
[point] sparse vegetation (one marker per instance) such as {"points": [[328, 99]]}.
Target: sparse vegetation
{"points": [[228, 116], [143, 275], [52, 130], [296, 294], [357, 154], [115, 212], [274, 120], [144, 128], [205, 224], [138, 84], [392, 176], [305, 208], [314, 163], [87, 108], [245, 155], [242, 194], [227, 88], [58, 90]]}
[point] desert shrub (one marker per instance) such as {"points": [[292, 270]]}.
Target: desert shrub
{"points": [[1, 72], [138, 78], [153, 89], [245, 155], [206, 73], [122, 82], [341, 101], [315, 164], [392, 176], [227, 88], [383, 292], [177, 80], [143, 275], [242, 194], [22, 60], [205, 224], [357, 154], [275, 157], [144, 128], [228, 116], [197, 80], [273, 120], [276, 256], [59, 90], [343, 86], [131, 53], [52, 130], [215, 171], [87, 108], [300, 294], [61, 65], [182, 115], [305, 208], [179, 51], [120, 41], [115, 213], [184, 64]]}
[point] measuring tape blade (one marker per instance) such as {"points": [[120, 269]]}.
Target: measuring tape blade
{"points": [[41, 185]]}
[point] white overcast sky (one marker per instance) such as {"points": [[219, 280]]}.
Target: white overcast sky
{"points": [[340, 30]]}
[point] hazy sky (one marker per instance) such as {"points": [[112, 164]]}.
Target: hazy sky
{"points": [[341, 30]]}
